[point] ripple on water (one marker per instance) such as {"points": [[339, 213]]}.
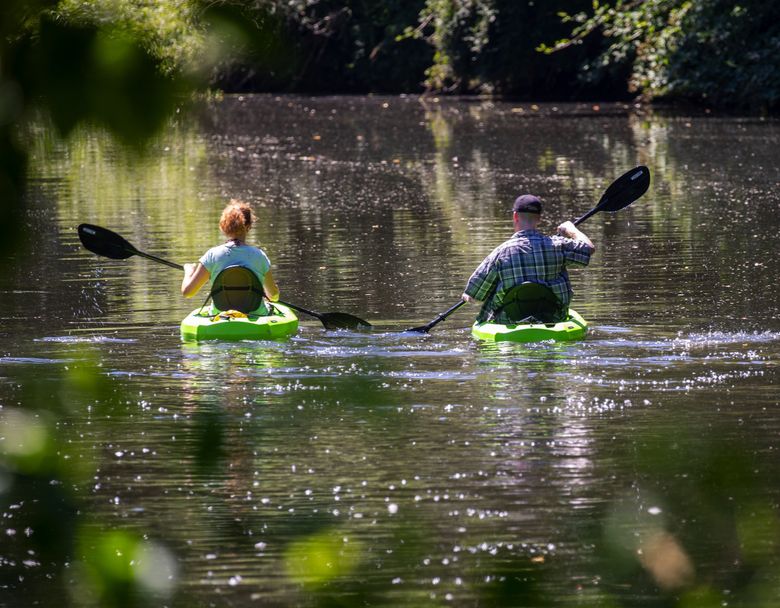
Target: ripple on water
{"points": [[86, 340], [720, 337], [693, 340], [32, 361]]}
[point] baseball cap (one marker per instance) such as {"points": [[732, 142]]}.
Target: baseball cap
{"points": [[527, 203]]}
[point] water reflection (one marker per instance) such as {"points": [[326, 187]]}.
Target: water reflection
{"points": [[390, 467]]}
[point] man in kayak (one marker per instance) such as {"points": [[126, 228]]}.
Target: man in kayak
{"points": [[531, 256], [236, 221]]}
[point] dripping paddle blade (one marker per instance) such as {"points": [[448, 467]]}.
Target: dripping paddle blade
{"points": [[625, 190], [621, 193], [343, 320], [105, 242], [332, 320]]}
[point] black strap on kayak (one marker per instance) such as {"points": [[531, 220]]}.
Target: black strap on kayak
{"points": [[206, 301]]}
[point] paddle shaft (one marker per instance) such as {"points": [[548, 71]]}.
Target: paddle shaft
{"points": [[301, 309], [426, 328], [149, 256], [579, 220]]}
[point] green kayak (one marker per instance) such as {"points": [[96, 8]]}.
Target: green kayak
{"points": [[233, 325], [573, 328]]}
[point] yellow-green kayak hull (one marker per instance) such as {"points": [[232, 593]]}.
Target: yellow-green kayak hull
{"points": [[199, 325], [573, 328]]}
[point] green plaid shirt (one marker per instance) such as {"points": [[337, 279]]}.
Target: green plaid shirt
{"points": [[528, 255]]}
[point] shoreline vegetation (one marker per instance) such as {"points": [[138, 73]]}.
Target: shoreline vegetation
{"points": [[128, 65], [717, 54]]}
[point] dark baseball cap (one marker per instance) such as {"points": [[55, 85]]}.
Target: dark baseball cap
{"points": [[527, 203]]}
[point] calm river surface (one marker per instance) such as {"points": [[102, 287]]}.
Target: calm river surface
{"points": [[637, 467]]}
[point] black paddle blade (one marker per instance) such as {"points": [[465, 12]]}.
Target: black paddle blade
{"points": [[342, 320], [625, 189], [105, 242]]}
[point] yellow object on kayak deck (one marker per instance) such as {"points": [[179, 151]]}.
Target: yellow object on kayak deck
{"points": [[229, 314]]}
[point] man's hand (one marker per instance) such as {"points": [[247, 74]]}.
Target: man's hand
{"points": [[568, 229]]}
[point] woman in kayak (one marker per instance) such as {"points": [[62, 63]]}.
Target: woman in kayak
{"points": [[235, 223]]}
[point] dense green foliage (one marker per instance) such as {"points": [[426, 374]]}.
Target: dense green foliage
{"points": [[491, 46], [328, 46], [74, 70], [728, 53], [717, 52]]}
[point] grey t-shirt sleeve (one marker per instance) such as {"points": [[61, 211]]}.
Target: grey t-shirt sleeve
{"points": [[208, 259]]}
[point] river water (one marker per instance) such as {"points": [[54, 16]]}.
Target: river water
{"points": [[636, 467]]}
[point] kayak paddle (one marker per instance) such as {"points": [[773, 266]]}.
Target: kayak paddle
{"points": [[424, 329], [107, 243], [621, 193]]}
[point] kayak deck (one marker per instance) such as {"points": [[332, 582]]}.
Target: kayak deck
{"points": [[200, 325], [573, 328]]}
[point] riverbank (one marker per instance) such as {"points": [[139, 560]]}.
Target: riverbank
{"points": [[712, 53]]}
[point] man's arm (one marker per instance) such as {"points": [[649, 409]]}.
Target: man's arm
{"points": [[482, 282], [569, 230]]}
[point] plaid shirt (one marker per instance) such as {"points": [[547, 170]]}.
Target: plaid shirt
{"points": [[527, 256]]}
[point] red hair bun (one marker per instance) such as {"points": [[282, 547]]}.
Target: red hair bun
{"points": [[236, 218]]}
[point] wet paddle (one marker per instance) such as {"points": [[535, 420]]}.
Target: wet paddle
{"points": [[109, 244], [621, 193], [424, 329]]}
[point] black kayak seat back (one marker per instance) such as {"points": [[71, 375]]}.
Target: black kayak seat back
{"points": [[533, 301], [237, 288]]}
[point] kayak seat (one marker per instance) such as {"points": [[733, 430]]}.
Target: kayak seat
{"points": [[531, 301], [237, 288]]}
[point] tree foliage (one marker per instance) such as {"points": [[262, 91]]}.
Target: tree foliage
{"points": [[490, 46], [331, 46], [720, 53], [74, 67], [717, 52]]}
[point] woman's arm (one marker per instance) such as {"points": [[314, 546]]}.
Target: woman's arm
{"points": [[270, 287], [195, 275]]}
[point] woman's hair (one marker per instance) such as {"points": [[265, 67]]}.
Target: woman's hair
{"points": [[236, 218]]}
